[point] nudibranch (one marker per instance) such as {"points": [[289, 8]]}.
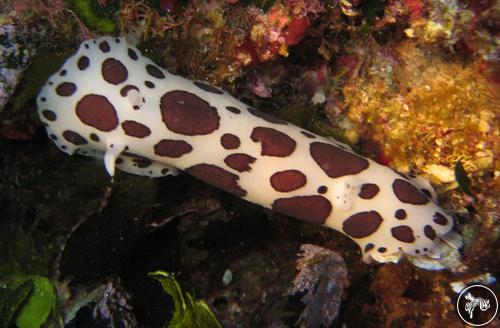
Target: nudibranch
{"points": [[109, 101]]}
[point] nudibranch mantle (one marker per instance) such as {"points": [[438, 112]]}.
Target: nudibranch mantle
{"points": [[109, 101]]}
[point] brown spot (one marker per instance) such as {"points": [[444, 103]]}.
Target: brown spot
{"points": [[63, 72], [139, 161], [185, 113], [49, 115], [368, 191], [336, 162], [273, 142], [119, 161], [233, 110], [104, 46], [322, 189], [208, 87], [83, 63], [132, 54], [66, 89], [124, 91], [94, 137], [172, 148], [135, 129], [142, 163], [289, 180], [400, 214], [307, 134], [149, 84], [113, 71], [362, 224], [43, 99], [155, 71], [369, 247], [440, 219], [429, 232], [265, 116], [98, 112], [74, 138], [382, 249], [230, 141], [217, 177], [239, 162], [403, 233], [408, 193], [313, 209], [164, 171]]}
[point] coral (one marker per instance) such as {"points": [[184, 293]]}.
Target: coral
{"points": [[197, 38], [217, 39], [450, 108], [473, 26], [273, 33], [51, 10], [52, 15], [408, 298]]}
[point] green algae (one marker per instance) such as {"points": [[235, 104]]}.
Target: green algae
{"points": [[188, 311], [95, 17]]}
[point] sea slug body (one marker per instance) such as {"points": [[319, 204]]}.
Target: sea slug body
{"points": [[109, 101]]}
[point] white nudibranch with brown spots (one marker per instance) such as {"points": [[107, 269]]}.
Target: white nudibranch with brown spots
{"points": [[108, 101]]}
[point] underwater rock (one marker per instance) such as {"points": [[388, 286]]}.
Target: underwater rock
{"points": [[15, 55]]}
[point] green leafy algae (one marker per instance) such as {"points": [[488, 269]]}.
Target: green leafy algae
{"points": [[28, 299], [88, 10], [188, 312]]}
